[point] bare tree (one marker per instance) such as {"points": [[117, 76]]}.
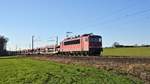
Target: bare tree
{"points": [[3, 42]]}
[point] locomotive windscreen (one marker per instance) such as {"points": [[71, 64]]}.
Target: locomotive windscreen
{"points": [[95, 39]]}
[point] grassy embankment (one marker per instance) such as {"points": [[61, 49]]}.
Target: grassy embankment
{"points": [[27, 71], [126, 52]]}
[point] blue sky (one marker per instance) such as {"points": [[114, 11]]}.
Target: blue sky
{"points": [[124, 21]]}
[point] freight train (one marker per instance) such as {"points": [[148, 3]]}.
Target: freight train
{"points": [[86, 44]]}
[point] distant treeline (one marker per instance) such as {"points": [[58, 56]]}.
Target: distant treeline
{"points": [[117, 45], [129, 46]]}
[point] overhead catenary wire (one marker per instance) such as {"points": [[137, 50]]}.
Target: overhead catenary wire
{"points": [[108, 18], [121, 17], [102, 19]]}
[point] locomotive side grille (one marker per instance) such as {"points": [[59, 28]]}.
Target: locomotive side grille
{"points": [[72, 42]]}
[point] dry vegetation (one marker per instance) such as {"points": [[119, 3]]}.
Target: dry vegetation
{"points": [[139, 69]]}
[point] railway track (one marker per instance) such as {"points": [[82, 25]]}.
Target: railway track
{"points": [[116, 59]]}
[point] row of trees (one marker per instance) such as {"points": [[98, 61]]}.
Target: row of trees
{"points": [[118, 45], [3, 42]]}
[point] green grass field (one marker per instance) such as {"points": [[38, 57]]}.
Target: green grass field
{"points": [[127, 51], [28, 71]]}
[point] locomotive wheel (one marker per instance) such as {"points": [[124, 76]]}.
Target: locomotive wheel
{"points": [[84, 53]]}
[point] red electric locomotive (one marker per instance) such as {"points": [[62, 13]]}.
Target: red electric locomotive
{"points": [[87, 44]]}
